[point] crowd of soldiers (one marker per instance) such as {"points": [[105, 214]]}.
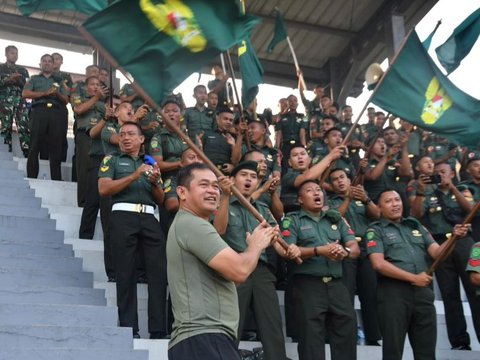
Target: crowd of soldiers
{"points": [[366, 216]]}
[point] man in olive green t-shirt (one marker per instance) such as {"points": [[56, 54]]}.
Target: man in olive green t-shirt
{"points": [[202, 270]]}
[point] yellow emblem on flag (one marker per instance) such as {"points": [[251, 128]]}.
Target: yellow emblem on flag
{"points": [[242, 49], [177, 20], [436, 103]]}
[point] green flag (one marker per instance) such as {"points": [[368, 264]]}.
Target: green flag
{"points": [[251, 70], [425, 97], [89, 7], [459, 44], [428, 41], [280, 33], [160, 43]]}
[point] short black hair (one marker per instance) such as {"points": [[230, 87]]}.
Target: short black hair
{"points": [[331, 130], [385, 191], [443, 163], [171, 101], [58, 54], [46, 55], [249, 152], [91, 67], [87, 80], [305, 183], [199, 87], [185, 174], [10, 47], [137, 125], [339, 169]]}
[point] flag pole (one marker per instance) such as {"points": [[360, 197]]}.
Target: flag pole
{"points": [[222, 60], [358, 179], [240, 106], [447, 250], [181, 134], [295, 61], [369, 100]]}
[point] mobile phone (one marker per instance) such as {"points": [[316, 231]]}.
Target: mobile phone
{"points": [[435, 179]]}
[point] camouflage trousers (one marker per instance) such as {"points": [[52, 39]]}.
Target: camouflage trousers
{"points": [[10, 110]]}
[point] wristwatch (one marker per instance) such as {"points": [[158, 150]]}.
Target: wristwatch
{"points": [[348, 250]]}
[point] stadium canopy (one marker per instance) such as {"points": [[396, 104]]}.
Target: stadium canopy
{"points": [[335, 40]]}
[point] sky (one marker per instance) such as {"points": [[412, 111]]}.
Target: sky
{"points": [[452, 13]]}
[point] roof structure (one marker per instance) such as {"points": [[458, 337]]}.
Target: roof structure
{"points": [[335, 40]]}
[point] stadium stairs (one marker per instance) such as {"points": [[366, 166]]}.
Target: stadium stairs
{"points": [[55, 301]]}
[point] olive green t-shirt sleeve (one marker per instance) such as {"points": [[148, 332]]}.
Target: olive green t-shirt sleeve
{"points": [[202, 240]]}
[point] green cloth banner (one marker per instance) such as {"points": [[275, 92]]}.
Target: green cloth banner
{"points": [[89, 7], [160, 43], [252, 72], [280, 33], [415, 90], [458, 45]]}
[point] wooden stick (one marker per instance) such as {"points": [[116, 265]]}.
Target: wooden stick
{"points": [[372, 95], [182, 136], [222, 60], [358, 179], [239, 102], [297, 66], [447, 250]]}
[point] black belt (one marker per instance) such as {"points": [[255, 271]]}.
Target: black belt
{"points": [[46, 105]]}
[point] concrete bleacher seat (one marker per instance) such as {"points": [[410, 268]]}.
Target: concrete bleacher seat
{"points": [[48, 306], [59, 199]]}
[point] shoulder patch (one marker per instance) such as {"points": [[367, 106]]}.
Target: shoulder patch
{"points": [[370, 234], [105, 163]]}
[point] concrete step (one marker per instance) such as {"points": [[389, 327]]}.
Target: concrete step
{"points": [[55, 192], [72, 354], [91, 251], [29, 249], [11, 174], [21, 198], [5, 155], [11, 277], [44, 169], [13, 184], [51, 294], [35, 237], [20, 221], [8, 164], [65, 337], [16, 188], [158, 351], [54, 242], [27, 210], [70, 224], [40, 262], [63, 209], [57, 315]]}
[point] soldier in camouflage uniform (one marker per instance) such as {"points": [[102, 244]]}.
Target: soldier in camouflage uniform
{"points": [[12, 105]]}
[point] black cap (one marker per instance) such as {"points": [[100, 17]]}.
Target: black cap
{"points": [[224, 109], [472, 156], [248, 165]]}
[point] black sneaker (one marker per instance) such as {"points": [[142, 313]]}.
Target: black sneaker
{"points": [[157, 335], [462, 347], [136, 335]]}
